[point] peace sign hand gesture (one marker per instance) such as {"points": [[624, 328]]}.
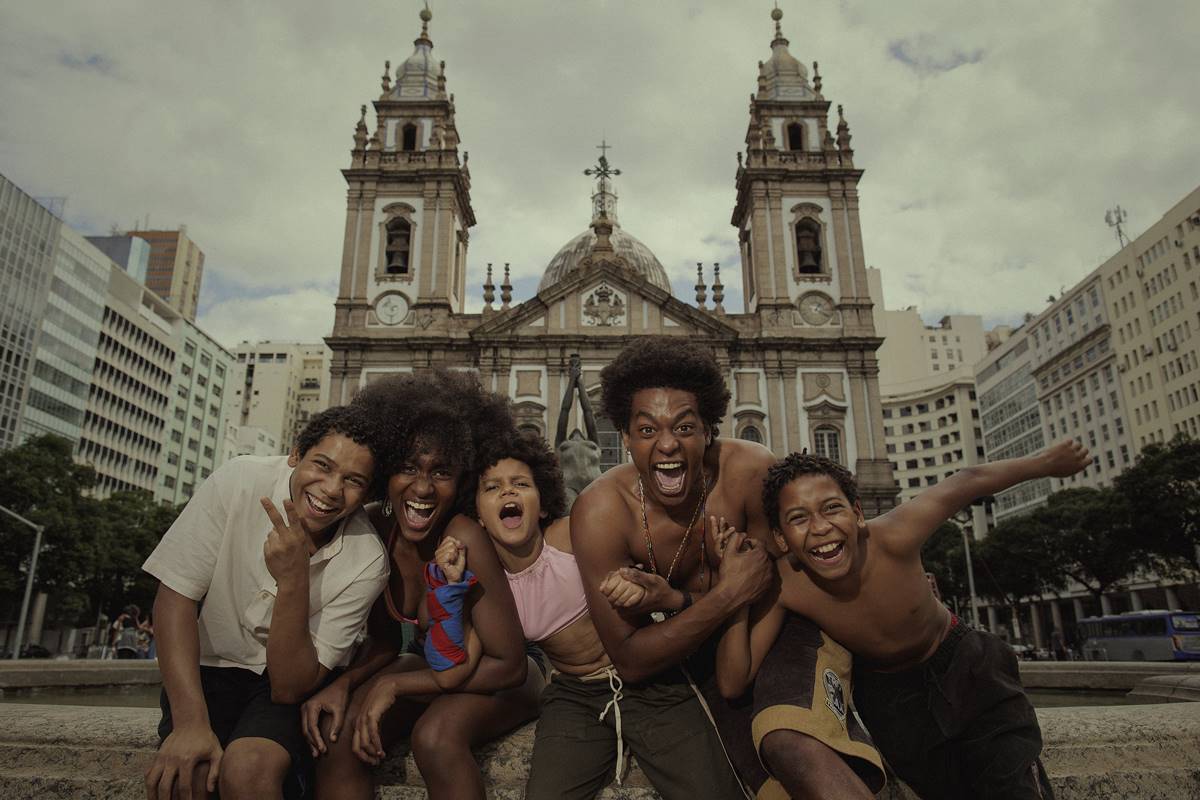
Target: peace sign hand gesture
{"points": [[288, 546]]}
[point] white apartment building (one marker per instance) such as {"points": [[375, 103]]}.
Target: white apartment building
{"points": [[277, 387]]}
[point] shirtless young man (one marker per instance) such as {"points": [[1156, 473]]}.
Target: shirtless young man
{"points": [[667, 395], [943, 702]]}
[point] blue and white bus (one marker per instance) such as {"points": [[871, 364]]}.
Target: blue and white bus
{"points": [[1141, 636]]}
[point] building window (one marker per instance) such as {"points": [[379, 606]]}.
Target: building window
{"points": [[399, 237], [827, 443], [408, 137], [808, 246], [795, 136], [751, 434]]}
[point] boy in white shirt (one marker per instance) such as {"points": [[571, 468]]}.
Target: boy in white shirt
{"points": [[254, 609]]}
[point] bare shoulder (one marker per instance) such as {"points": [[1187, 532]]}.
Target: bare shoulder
{"points": [[742, 460], [467, 531], [558, 534], [795, 588], [600, 513]]}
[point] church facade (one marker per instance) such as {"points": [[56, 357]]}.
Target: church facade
{"points": [[799, 358]]}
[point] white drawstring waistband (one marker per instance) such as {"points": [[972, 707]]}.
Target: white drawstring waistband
{"points": [[614, 683]]}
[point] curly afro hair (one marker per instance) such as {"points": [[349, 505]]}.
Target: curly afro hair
{"points": [[532, 450], [666, 362], [439, 411], [357, 426], [797, 465]]}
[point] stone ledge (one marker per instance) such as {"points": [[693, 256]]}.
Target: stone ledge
{"points": [[99, 753], [1099, 675], [53, 673], [1168, 687]]}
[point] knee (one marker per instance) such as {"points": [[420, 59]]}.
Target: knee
{"points": [[436, 741], [253, 771], [793, 753]]}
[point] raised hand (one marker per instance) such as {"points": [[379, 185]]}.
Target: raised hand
{"points": [[745, 571], [288, 546], [451, 556], [1063, 458]]}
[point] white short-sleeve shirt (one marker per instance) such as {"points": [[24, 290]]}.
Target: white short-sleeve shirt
{"points": [[214, 553]]}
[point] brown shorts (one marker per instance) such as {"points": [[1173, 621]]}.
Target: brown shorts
{"points": [[803, 685]]}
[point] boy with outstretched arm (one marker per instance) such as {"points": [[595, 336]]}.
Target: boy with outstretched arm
{"points": [[943, 702], [254, 608]]}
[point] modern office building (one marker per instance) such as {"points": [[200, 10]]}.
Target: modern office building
{"points": [[131, 253], [1010, 418], [278, 386], [57, 395], [28, 238], [175, 269], [199, 408], [124, 429]]}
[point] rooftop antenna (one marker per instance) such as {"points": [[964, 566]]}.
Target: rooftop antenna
{"points": [[1115, 217]]}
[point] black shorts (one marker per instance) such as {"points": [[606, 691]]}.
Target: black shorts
{"points": [[239, 706], [959, 724]]}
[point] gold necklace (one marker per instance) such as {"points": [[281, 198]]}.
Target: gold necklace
{"points": [[687, 536]]}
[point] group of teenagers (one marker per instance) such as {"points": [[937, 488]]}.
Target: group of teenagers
{"points": [[729, 618]]}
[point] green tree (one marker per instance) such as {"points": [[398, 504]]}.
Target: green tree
{"points": [[942, 554], [128, 527], [1017, 560], [41, 481], [1093, 542], [1162, 490]]}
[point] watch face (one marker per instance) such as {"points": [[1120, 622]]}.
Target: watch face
{"points": [[816, 309], [391, 309]]}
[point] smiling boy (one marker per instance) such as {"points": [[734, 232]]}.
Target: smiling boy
{"points": [[943, 702], [253, 609]]}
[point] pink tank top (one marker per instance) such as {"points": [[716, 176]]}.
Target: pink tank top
{"points": [[548, 593]]}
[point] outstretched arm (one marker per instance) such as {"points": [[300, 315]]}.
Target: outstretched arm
{"points": [[589, 416], [905, 528], [747, 639]]}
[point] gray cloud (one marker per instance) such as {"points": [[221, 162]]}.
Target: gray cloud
{"points": [[984, 191]]}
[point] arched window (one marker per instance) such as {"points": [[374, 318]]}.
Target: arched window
{"points": [[827, 442], [795, 136], [751, 434], [408, 137], [399, 237], [808, 246]]}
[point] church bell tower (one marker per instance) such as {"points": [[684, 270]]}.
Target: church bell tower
{"points": [[797, 202], [408, 211]]}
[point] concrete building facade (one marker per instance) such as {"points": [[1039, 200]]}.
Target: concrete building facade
{"points": [[277, 387], [800, 358], [28, 237], [124, 432], [175, 268], [57, 395], [200, 405]]}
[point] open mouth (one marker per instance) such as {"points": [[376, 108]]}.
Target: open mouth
{"points": [[418, 514], [669, 475], [829, 552], [512, 515], [319, 508]]}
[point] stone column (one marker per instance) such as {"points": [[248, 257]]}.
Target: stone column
{"points": [[993, 620], [37, 619], [1016, 623], [1057, 617], [1105, 605], [1035, 615], [1077, 604], [1172, 599], [1135, 600]]}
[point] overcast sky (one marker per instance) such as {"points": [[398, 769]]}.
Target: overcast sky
{"points": [[994, 136]]}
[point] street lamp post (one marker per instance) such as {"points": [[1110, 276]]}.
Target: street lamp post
{"points": [[963, 518], [37, 548]]}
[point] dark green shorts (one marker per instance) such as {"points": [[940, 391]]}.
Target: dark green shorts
{"points": [[662, 724]]}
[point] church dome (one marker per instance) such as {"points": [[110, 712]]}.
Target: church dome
{"points": [[639, 258]]}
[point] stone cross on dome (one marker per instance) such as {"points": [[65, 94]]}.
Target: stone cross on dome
{"points": [[604, 199]]}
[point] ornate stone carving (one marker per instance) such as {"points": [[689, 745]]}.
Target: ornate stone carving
{"points": [[603, 308]]}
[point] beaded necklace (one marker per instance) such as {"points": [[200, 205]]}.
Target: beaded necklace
{"points": [[687, 537]]}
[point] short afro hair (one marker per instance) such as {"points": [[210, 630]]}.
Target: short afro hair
{"points": [[531, 450], [436, 411], [797, 465], [663, 362], [357, 426]]}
